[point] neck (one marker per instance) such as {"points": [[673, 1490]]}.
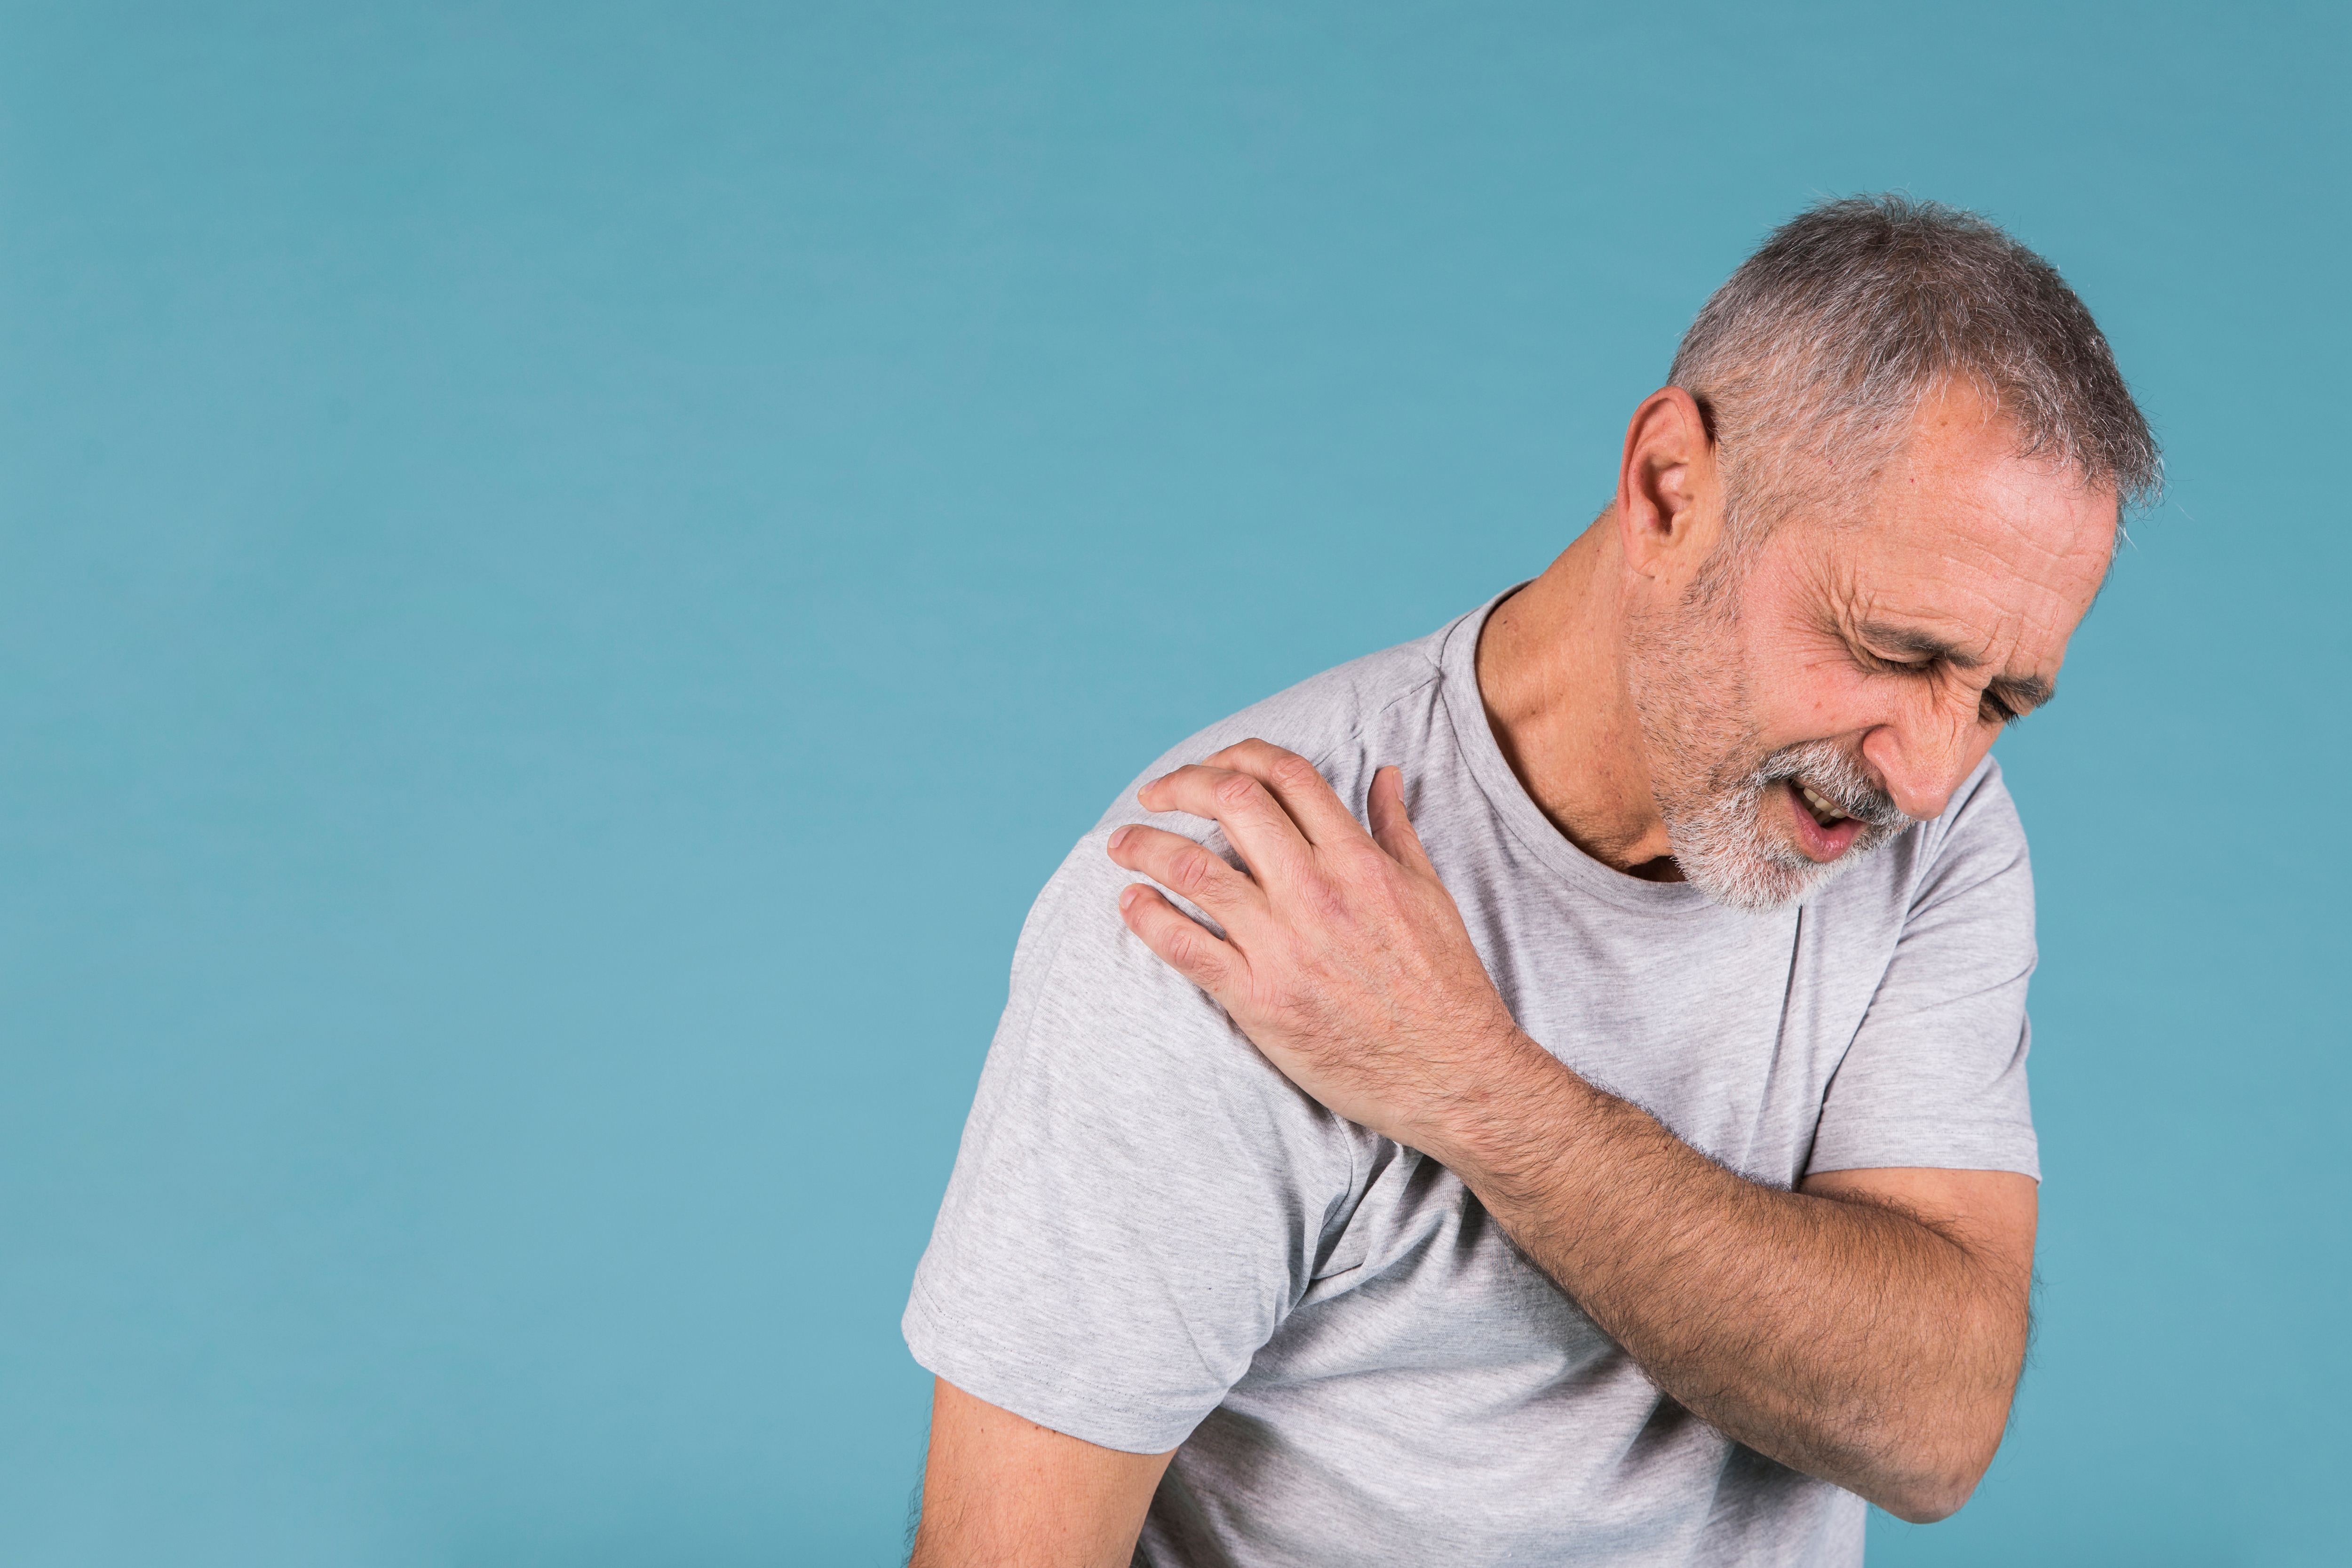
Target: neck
{"points": [[1551, 673]]}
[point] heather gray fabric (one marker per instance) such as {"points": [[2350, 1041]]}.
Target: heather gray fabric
{"points": [[1152, 1239]]}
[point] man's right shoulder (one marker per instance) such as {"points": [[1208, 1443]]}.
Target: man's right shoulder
{"points": [[1141, 1197], [1078, 971], [1329, 718], [1336, 720]]}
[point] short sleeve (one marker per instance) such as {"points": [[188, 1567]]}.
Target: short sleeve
{"points": [[1138, 1198], [1935, 1075]]}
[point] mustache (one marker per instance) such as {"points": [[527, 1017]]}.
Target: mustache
{"points": [[1836, 777]]}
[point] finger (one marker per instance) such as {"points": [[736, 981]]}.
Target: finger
{"points": [[1390, 825], [1187, 868], [1254, 821], [1182, 943], [1321, 815]]}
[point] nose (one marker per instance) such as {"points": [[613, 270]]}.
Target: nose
{"points": [[1922, 758]]}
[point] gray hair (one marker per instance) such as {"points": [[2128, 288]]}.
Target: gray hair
{"points": [[1810, 362]]}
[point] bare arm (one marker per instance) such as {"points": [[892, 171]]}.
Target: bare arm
{"points": [[1867, 1329], [1000, 1492]]}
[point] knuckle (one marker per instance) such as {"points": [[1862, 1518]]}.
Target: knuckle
{"points": [[1326, 899], [1189, 951], [1290, 768], [1237, 789], [1193, 869]]}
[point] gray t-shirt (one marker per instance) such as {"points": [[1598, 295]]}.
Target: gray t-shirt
{"points": [[1153, 1241]]}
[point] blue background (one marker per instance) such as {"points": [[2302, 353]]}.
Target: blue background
{"points": [[566, 572]]}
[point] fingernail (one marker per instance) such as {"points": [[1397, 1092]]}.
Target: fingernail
{"points": [[1126, 896], [1117, 837]]}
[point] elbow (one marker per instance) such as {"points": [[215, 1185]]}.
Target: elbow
{"points": [[1920, 1503], [1937, 1485]]}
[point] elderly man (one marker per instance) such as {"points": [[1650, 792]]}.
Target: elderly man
{"points": [[1558, 1093]]}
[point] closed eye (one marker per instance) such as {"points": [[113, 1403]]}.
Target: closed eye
{"points": [[2004, 701], [1880, 664]]}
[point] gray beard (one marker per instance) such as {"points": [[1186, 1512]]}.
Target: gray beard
{"points": [[1721, 843], [1712, 788]]}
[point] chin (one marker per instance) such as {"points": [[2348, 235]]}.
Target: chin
{"points": [[1736, 864], [1758, 888]]}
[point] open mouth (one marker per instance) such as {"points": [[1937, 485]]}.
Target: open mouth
{"points": [[1823, 831], [1825, 814]]}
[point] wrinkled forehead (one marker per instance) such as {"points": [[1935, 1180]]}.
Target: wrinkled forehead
{"points": [[1958, 528]]}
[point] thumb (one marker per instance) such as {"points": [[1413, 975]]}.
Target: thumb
{"points": [[1391, 829]]}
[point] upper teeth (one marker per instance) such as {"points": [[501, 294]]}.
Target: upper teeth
{"points": [[1820, 805]]}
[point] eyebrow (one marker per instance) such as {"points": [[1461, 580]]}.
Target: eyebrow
{"points": [[2020, 692]]}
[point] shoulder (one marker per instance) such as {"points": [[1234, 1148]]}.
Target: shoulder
{"points": [[1090, 1005], [1963, 876], [1981, 819], [1379, 705], [1977, 841], [1335, 719], [1978, 844]]}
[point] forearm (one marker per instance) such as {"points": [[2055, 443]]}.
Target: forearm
{"points": [[1871, 1347]]}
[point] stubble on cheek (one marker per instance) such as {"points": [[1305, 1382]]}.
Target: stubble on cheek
{"points": [[1716, 788]]}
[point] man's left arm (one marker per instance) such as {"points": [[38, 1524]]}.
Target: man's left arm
{"points": [[1867, 1329]]}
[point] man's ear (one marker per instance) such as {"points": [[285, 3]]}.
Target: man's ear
{"points": [[1669, 494]]}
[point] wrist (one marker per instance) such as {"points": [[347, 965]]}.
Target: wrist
{"points": [[1508, 1121]]}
